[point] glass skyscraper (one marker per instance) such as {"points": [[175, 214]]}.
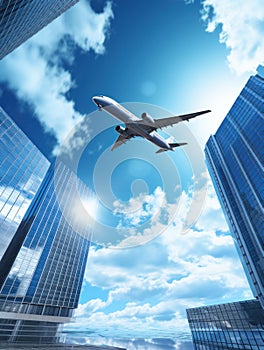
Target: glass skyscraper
{"points": [[21, 19], [235, 157], [43, 261], [238, 325], [22, 169]]}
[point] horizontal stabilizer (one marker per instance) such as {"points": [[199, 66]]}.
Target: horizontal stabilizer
{"points": [[161, 150], [173, 145]]}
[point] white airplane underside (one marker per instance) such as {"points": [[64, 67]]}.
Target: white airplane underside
{"points": [[145, 127]]}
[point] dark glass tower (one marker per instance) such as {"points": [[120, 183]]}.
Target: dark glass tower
{"points": [[235, 157], [21, 19]]}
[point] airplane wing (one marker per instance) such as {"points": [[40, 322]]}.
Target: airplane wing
{"points": [[120, 141], [164, 122]]}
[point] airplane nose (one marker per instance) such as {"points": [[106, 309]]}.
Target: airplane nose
{"points": [[95, 99], [102, 101], [99, 101]]}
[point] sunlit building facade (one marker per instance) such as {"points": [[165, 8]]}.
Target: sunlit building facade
{"points": [[21, 19], [45, 253], [22, 169], [235, 157], [238, 325]]}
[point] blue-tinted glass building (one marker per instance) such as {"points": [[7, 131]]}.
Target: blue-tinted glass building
{"points": [[238, 325], [43, 261], [22, 169], [21, 19], [235, 157]]}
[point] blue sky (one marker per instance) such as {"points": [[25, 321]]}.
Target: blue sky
{"points": [[168, 58]]}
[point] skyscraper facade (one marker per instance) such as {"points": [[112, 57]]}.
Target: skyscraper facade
{"points": [[43, 285], [22, 169], [21, 19], [46, 243], [235, 157], [238, 325]]}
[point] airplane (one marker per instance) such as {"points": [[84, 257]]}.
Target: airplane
{"points": [[145, 127]]}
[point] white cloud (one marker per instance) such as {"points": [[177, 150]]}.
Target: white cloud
{"points": [[149, 287], [35, 70], [141, 207], [137, 319], [147, 216], [212, 210], [242, 30], [91, 306], [134, 344]]}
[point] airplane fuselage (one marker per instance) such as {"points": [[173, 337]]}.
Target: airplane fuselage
{"points": [[128, 118]]}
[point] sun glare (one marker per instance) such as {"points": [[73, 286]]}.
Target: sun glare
{"points": [[91, 205]]}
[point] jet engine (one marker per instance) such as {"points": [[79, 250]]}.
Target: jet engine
{"points": [[147, 119], [121, 130]]}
